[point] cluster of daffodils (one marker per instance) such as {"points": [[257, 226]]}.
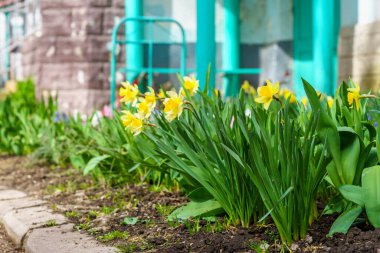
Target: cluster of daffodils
{"points": [[145, 105], [269, 92], [141, 106], [247, 88]]}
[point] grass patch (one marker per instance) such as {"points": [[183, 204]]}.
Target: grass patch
{"points": [[113, 236], [165, 210], [51, 223], [71, 214]]}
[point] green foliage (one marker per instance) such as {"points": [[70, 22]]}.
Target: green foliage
{"points": [[287, 166], [371, 194], [105, 151], [194, 146], [365, 197], [353, 168], [23, 118], [227, 156]]}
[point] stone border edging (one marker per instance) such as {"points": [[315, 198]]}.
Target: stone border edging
{"points": [[25, 221]]}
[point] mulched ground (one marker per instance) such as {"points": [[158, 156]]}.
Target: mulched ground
{"points": [[101, 211]]}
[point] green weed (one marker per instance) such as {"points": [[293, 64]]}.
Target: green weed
{"points": [[71, 214], [113, 236]]}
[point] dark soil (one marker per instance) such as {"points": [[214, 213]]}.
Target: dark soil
{"points": [[100, 211], [6, 245]]}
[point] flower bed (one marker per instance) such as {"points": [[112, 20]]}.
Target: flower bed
{"points": [[263, 159]]}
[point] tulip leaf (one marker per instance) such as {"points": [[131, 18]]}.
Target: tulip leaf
{"points": [[326, 127], [200, 194], [371, 191], [343, 223], [337, 204], [197, 209], [372, 159], [352, 193], [350, 157]]}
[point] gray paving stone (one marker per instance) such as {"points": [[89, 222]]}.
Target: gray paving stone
{"points": [[18, 222], [62, 239], [25, 218], [11, 194], [8, 205]]}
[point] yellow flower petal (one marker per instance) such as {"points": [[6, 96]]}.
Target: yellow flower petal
{"points": [[132, 122], [304, 101], [191, 85], [173, 106], [330, 101], [246, 86], [267, 92], [128, 93]]}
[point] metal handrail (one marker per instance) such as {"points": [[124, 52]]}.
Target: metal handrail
{"points": [[150, 69]]}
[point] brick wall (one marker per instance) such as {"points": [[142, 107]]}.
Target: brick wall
{"points": [[359, 55], [70, 54]]}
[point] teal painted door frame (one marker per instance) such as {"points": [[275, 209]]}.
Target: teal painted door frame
{"points": [[231, 46], [315, 43], [134, 32], [206, 45]]}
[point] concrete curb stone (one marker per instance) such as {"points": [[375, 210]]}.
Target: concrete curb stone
{"points": [[11, 194], [8, 205], [26, 222], [63, 240], [18, 222]]}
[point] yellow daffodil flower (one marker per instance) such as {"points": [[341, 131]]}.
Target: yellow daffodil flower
{"points": [[128, 93], [150, 98], [353, 95], [266, 93], [191, 85], [126, 118], [132, 122], [217, 92], [144, 108], [330, 101], [173, 105], [287, 94], [161, 94], [246, 86], [304, 101], [252, 91], [136, 126]]}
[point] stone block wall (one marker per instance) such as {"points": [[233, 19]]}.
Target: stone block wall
{"points": [[359, 55], [70, 52]]}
